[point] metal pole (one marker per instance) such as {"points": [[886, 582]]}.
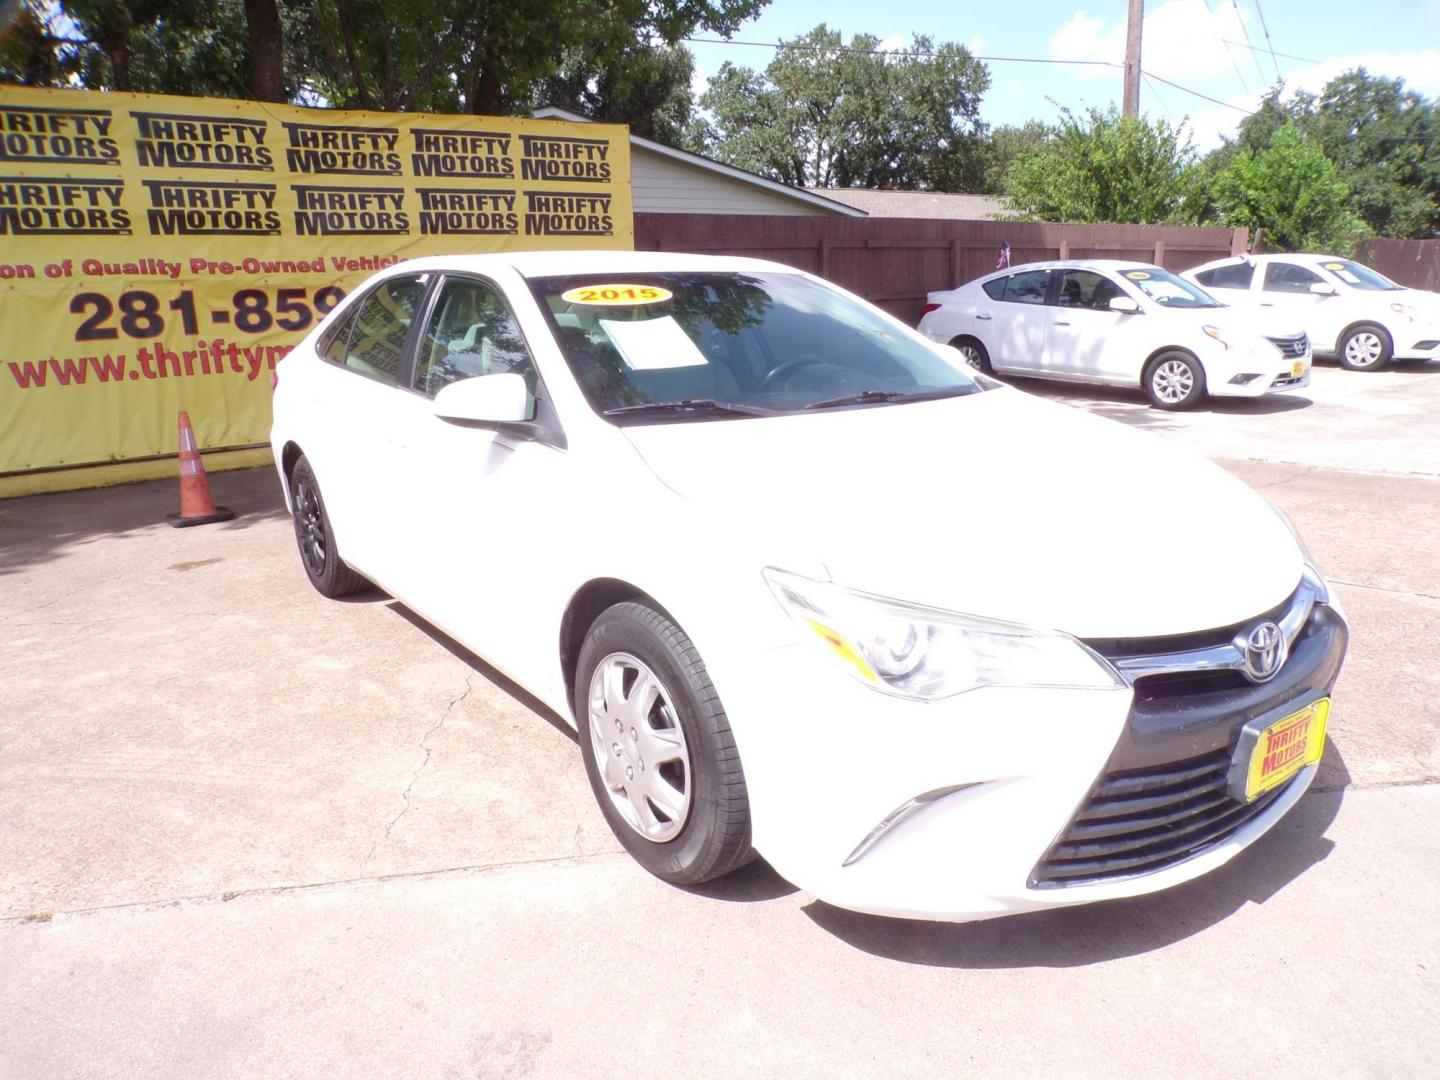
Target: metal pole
{"points": [[1132, 58]]}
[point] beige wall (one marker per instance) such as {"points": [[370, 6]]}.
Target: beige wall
{"points": [[662, 185]]}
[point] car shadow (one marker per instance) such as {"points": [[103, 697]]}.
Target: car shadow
{"points": [[1092, 933], [36, 529], [755, 882], [480, 667], [1132, 407]]}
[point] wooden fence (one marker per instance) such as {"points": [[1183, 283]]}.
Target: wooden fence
{"points": [[1415, 263], [894, 262]]}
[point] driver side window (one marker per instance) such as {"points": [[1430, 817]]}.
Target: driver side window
{"points": [[1289, 277], [471, 332]]}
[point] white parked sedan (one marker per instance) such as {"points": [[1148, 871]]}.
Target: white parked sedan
{"points": [[1118, 324], [1348, 310], [724, 518]]}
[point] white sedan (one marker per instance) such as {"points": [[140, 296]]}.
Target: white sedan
{"points": [[1348, 310], [717, 514], [1118, 324]]}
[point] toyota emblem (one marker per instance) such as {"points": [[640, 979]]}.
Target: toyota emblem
{"points": [[1264, 649]]}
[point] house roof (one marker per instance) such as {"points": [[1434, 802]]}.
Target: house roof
{"points": [[917, 204], [699, 161]]}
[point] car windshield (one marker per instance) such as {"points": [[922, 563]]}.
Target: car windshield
{"points": [[1359, 277], [665, 347], [1167, 290]]}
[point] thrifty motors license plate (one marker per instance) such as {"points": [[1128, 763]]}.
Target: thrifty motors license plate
{"points": [[1286, 747], [1297, 369]]}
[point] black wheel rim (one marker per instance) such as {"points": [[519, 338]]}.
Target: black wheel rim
{"points": [[310, 528]]}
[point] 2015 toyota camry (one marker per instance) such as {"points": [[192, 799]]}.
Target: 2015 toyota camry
{"points": [[808, 586]]}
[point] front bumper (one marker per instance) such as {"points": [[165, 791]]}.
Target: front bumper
{"points": [[1006, 772]]}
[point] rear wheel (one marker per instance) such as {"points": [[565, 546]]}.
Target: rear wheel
{"points": [[316, 538], [1174, 380], [973, 353], [657, 747], [1365, 348]]}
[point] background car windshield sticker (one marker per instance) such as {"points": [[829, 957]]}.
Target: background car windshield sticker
{"points": [[616, 295], [1137, 275], [1334, 266]]}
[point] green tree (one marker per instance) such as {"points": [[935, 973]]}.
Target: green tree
{"points": [[645, 86], [1384, 139], [1292, 191], [827, 114], [1106, 167], [1003, 146]]}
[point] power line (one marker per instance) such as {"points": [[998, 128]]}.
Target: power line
{"points": [[1230, 55], [1286, 55], [1150, 82], [1198, 94], [897, 52], [1245, 33], [1270, 45]]}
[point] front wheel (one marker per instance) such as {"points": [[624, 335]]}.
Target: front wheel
{"points": [[1365, 348], [657, 748], [1174, 380]]}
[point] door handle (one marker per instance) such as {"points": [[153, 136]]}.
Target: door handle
{"points": [[1059, 323], [985, 317]]}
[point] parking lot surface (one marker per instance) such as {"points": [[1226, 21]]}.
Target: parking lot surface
{"points": [[250, 832]]}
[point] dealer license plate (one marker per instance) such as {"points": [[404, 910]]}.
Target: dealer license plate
{"points": [[1286, 747], [1297, 369]]}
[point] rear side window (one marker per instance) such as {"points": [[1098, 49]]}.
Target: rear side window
{"points": [[381, 324], [995, 290], [1288, 277], [1028, 287], [1235, 276], [333, 347]]}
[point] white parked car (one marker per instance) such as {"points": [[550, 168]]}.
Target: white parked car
{"points": [[1349, 310], [725, 518], [1119, 324]]}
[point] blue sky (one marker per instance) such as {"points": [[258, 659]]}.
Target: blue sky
{"points": [[1185, 41]]}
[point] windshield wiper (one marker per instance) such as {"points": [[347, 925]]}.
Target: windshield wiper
{"points": [[879, 397], [694, 406]]}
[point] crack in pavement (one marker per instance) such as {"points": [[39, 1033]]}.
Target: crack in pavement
{"points": [[1384, 589], [405, 795]]}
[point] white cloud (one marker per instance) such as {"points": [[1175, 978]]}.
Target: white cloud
{"points": [[1181, 39], [976, 45], [893, 43]]}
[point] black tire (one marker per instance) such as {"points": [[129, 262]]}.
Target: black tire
{"points": [[1160, 376], [974, 353], [315, 537], [715, 836], [1366, 347]]}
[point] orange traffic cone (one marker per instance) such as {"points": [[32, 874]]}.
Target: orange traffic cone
{"points": [[196, 505]]}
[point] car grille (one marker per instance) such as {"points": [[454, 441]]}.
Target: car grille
{"points": [[1143, 820], [1286, 380], [1293, 348]]}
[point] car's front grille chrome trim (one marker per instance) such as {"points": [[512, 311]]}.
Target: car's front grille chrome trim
{"points": [[1229, 656], [1292, 348]]}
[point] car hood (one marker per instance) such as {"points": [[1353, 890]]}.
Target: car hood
{"points": [[995, 504], [1240, 319]]}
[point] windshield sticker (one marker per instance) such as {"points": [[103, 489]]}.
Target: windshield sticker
{"points": [[1137, 275], [616, 295], [1334, 266], [653, 344]]}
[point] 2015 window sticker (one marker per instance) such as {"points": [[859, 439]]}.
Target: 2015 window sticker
{"points": [[616, 295]]}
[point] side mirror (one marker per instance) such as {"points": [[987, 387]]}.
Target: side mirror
{"points": [[1126, 305], [1323, 288], [501, 398]]}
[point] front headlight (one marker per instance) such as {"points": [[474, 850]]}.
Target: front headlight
{"points": [[1403, 309], [1216, 333], [925, 653]]}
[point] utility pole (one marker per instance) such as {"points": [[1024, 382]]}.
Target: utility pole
{"points": [[1132, 58]]}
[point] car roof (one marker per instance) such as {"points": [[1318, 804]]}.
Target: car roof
{"points": [[1103, 265], [1290, 256], [532, 264]]}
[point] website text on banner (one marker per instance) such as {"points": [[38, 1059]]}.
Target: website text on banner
{"points": [[162, 253]]}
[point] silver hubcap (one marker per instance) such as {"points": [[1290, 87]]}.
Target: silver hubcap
{"points": [[971, 355], [1173, 381], [639, 747], [1363, 349]]}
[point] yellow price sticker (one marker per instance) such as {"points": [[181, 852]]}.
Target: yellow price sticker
{"points": [[616, 295], [1137, 275]]}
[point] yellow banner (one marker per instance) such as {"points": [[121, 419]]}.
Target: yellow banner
{"points": [[162, 253]]}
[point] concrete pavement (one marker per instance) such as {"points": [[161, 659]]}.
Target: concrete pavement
{"points": [[250, 832]]}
